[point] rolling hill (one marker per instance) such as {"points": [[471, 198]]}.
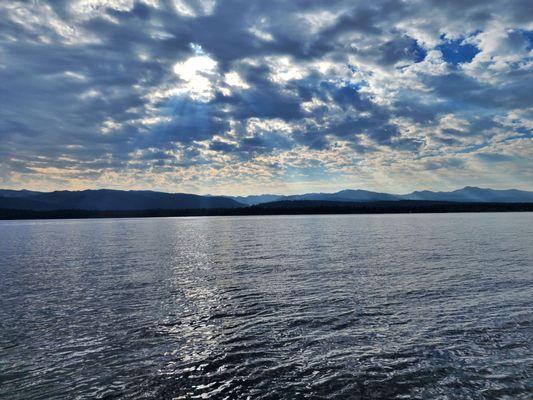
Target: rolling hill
{"points": [[116, 200]]}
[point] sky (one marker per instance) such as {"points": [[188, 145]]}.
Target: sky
{"points": [[278, 96]]}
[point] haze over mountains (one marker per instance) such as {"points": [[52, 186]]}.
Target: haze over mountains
{"points": [[467, 194], [119, 200]]}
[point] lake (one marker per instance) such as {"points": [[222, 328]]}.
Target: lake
{"points": [[421, 306]]}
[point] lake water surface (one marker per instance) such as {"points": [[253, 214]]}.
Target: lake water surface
{"points": [[426, 306]]}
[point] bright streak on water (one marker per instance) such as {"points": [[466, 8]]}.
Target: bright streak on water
{"points": [[281, 307]]}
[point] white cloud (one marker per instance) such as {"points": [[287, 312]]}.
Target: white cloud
{"points": [[199, 74]]}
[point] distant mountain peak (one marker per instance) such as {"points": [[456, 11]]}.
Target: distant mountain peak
{"points": [[473, 188]]}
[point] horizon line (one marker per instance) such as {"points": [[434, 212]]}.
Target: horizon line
{"points": [[260, 194]]}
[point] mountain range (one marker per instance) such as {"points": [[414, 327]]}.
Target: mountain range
{"points": [[104, 199], [120, 200], [468, 194]]}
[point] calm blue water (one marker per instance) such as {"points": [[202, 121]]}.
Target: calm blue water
{"points": [[279, 307]]}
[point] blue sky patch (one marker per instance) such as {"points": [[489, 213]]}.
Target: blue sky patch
{"points": [[457, 52], [529, 37]]}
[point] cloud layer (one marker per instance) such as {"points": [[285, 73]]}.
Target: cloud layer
{"points": [[248, 96]]}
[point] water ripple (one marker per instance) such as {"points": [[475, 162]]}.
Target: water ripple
{"points": [[307, 307]]}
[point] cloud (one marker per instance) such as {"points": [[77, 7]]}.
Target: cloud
{"points": [[207, 95]]}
